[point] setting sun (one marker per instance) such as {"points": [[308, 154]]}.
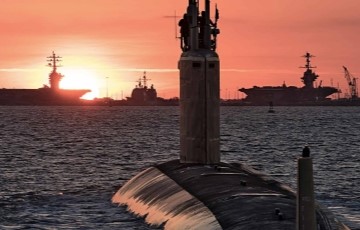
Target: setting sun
{"points": [[80, 79]]}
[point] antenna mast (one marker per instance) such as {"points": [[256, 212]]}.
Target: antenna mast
{"points": [[53, 60], [54, 77], [145, 79], [308, 66]]}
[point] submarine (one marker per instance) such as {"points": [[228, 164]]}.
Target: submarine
{"points": [[198, 191]]}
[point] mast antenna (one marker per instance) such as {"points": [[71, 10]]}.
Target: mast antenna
{"points": [[175, 17], [176, 29], [53, 60], [145, 80], [308, 66]]}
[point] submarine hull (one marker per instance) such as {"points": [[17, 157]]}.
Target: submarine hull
{"points": [[223, 196]]}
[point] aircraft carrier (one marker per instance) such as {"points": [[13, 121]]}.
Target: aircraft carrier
{"points": [[47, 95], [291, 95]]}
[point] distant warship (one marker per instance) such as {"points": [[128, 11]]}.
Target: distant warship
{"points": [[142, 94], [291, 95], [47, 95]]}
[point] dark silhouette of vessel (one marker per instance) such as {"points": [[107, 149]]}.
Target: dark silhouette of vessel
{"points": [[142, 94], [291, 95], [47, 95]]}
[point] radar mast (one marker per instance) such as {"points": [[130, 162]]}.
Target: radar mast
{"points": [[308, 66], [54, 77]]}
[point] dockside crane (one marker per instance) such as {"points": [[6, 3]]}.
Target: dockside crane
{"points": [[352, 81]]}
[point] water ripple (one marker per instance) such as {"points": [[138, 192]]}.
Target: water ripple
{"points": [[60, 166]]}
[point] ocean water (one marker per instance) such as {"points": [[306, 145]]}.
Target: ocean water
{"points": [[60, 166]]}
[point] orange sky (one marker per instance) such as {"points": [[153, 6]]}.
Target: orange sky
{"points": [[109, 43]]}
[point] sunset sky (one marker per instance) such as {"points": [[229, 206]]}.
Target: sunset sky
{"points": [[108, 44]]}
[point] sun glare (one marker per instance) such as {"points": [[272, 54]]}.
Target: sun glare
{"points": [[80, 79]]}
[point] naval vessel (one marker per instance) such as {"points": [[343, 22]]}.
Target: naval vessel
{"points": [[198, 191], [50, 94], [291, 95]]}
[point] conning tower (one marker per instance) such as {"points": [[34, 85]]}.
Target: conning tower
{"points": [[199, 86]]}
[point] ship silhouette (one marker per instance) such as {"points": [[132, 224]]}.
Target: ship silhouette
{"points": [[291, 95], [47, 95], [142, 94]]}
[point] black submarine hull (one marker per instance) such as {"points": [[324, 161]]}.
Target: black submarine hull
{"points": [[222, 196]]}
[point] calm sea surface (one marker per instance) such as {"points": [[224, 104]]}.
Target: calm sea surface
{"points": [[60, 166]]}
